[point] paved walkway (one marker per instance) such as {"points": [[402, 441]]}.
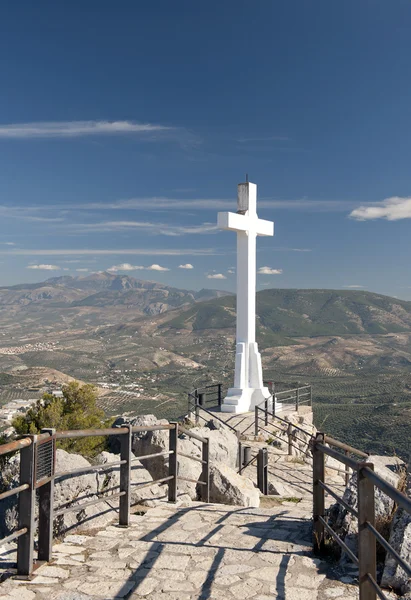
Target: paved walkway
{"points": [[205, 551]]}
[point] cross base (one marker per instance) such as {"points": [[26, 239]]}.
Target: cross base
{"points": [[245, 400]]}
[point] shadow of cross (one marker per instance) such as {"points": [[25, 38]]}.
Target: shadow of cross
{"points": [[212, 551]]}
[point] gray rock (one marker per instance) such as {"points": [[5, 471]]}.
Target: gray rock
{"points": [[228, 487], [223, 448], [400, 539], [345, 524], [147, 495]]}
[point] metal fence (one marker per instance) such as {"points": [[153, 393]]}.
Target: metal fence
{"points": [[295, 397], [209, 395], [320, 446], [38, 476]]}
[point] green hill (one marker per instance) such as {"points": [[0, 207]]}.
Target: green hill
{"points": [[305, 313]]}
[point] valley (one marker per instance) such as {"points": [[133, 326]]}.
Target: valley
{"points": [[144, 354]]}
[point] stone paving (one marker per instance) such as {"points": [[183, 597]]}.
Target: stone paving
{"points": [[199, 552]]}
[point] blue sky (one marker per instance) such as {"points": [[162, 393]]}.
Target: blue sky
{"points": [[125, 127]]}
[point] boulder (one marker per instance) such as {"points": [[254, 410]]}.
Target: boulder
{"points": [[400, 539], [228, 487], [343, 522], [148, 495], [223, 448]]}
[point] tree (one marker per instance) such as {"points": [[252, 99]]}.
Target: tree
{"points": [[77, 409]]}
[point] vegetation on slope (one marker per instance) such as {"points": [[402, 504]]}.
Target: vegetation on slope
{"points": [[77, 409]]}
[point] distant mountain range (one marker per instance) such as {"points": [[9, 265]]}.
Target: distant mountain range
{"points": [[103, 290], [305, 313]]}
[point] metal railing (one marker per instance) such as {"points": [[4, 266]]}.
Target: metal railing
{"points": [[210, 395], [319, 446], [295, 397], [287, 429], [38, 476], [368, 535]]}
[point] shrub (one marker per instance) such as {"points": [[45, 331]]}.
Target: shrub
{"points": [[77, 409]]}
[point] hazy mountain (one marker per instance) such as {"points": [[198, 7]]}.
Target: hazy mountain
{"points": [[102, 290], [298, 313]]}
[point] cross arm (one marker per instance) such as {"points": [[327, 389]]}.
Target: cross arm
{"points": [[238, 222]]}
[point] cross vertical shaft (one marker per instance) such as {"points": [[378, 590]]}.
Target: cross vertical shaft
{"points": [[248, 387]]}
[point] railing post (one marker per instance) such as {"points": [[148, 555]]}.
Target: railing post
{"points": [[290, 437], [367, 546], [240, 457], [125, 476], [205, 474], [266, 412], [46, 512], [189, 406], [262, 463], [173, 463], [297, 399], [256, 421], [347, 471], [318, 494], [273, 403], [220, 399], [25, 543], [197, 420]]}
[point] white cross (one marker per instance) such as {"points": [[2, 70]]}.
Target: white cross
{"points": [[248, 226]]}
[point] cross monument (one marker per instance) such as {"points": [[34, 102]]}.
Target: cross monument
{"points": [[248, 390]]}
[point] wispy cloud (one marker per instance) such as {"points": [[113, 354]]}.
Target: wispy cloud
{"points": [[354, 287], [125, 267], [157, 268], [231, 271], [216, 276], [7, 243], [70, 129], [82, 270], [44, 267], [147, 226], [186, 266], [390, 209], [111, 252], [269, 271]]}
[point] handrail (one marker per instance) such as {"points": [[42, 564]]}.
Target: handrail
{"points": [[38, 476], [14, 446], [346, 447], [193, 435], [368, 481], [388, 489]]}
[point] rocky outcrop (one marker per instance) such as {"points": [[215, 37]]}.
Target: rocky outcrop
{"points": [[343, 522], [228, 487], [73, 490], [400, 539], [223, 449]]}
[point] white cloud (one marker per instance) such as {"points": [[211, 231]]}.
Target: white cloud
{"points": [[69, 129], [45, 267], [151, 227], [391, 209], [354, 287], [80, 270], [124, 267], [216, 276], [231, 271], [186, 266], [157, 268], [269, 271], [7, 243]]}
